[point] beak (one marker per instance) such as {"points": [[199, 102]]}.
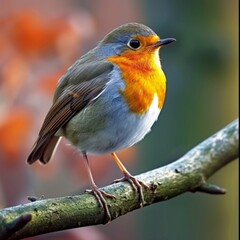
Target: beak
{"points": [[163, 42]]}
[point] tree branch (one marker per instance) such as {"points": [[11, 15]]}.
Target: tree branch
{"points": [[189, 173]]}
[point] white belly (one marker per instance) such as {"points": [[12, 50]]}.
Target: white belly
{"points": [[140, 125]]}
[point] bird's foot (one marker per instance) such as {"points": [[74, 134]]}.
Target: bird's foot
{"points": [[100, 195], [136, 184]]}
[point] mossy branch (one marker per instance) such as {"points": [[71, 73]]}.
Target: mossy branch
{"points": [[189, 173]]}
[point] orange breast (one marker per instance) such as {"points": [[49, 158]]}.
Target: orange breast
{"points": [[144, 78]]}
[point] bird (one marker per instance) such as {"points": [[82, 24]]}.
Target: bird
{"points": [[106, 101]]}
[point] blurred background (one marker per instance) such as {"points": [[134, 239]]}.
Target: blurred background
{"points": [[39, 40]]}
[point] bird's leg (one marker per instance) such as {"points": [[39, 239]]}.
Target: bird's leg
{"points": [[98, 193], [136, 184]]}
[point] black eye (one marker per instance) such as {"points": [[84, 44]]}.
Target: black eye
{"points": [[134, 44]]}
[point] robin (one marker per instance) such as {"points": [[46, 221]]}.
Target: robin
{"points": [[107, 100]]}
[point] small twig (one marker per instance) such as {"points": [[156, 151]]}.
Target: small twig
{"points": [[34, 199], [210, 188], [15, 225]]}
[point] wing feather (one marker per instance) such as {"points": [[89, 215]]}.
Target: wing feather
{"points": [[70, 102]]}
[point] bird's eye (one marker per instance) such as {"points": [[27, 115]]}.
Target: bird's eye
{"points": [[134, 44]]}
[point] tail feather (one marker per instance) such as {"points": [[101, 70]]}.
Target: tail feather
{"points": [[43, 150]]}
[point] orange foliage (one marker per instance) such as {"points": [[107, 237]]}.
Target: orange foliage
{"points": [[30, 34], [14, 132], [14, 74]]}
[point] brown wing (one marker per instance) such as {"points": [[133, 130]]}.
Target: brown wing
{"points": [[71, 101]]}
